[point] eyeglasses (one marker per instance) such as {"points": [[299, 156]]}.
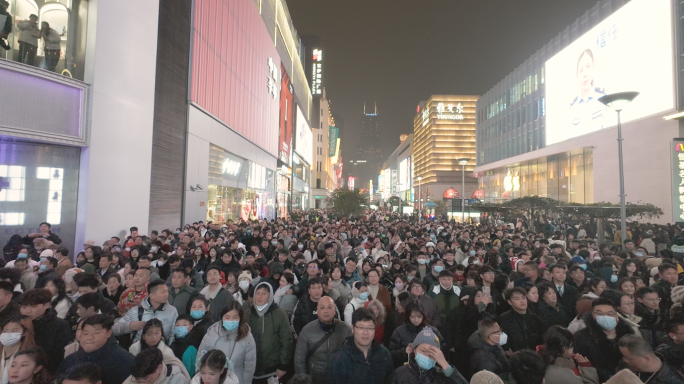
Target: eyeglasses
{"points": [[365, 330]]}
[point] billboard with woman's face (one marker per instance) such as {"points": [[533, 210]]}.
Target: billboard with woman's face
{"points": [[630, 50]]}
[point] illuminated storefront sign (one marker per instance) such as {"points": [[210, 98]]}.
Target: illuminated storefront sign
{"points": [[333, 133], [316, 74], [449, 111], [231, 167], [511, 183], [350, 183], [273, 78], [677, 154]]}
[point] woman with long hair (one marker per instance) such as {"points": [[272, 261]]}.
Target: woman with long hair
{"points": [[12, 248], [626, 285], [629, 268], [28, 367], [152, 337], [212, 370], [380, 317], [17, 335], [233, 337], [564, 366], [479, 305], [60, 301]]}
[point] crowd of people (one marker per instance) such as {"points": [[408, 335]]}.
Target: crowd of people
{"points": [[375, 298]]}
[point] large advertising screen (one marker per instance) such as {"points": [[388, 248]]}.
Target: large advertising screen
{"points": [[630, 50], [304, 142], [286, 115], [404, 175]]}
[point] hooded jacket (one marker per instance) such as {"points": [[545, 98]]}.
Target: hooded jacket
{"points": [[592, 343], [173, 372], [485, 356], [166, 313], [222, 299], [350, 366], [114, 361], [319, 362], [242, 354], [273, 336]]}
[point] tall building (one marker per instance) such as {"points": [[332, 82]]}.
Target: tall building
{"points": [[368, 159], [541, 130], [444, 132]]}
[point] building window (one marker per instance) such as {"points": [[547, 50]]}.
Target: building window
{"points": [[318, 183]]}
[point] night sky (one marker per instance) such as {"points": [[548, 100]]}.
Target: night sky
{"points": [[400, 52]]}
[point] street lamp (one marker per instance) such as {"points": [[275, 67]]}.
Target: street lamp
{"points": [[420, 197], [462, 162], [617, 101]]}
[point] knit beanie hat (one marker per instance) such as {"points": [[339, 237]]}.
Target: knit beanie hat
{"points": [[485, 377], [69, 274], [677, 294], [47, 253], [426, 336], [245, 275]]}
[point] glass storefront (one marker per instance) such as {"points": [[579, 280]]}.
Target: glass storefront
{"points": [[566, 177], [300, 183], [239, 188], [283, 193]]}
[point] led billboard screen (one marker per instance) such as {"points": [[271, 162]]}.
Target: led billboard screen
{"points": [[630, 50], [286, 103], [304, 143]]}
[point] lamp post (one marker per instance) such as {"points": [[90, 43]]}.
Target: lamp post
{"points": [[420, 198], [462, 162], [617, 101]]}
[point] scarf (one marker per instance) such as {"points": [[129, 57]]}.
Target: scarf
{"points": [[206, 292], [373, 290], [279, 293]]}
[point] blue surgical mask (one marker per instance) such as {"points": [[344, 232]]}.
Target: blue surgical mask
{"points": [[180, 331], [639, 254], [438, 268], [409, 278], [42, 259], [583, 266], [274, 242], [606, 322], [22, 256], [613, 278], [425, 362], [198, 314], [363, 296], [43, 267], [472, 253], [230, 325]]}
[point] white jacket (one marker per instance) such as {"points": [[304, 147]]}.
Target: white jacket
{"points": [[28, 30], [62, 308], [135, 348], [53, 40], [231, 378], [353, 305]]}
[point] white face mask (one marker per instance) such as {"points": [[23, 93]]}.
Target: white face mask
{"points": [[153, 249], [7, 339], [244, 284]]}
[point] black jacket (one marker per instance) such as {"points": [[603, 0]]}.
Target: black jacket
{"points": [[552, 316], [304, 313], [52, 334], [486, 356], [524, 331], [114, 361], [569, 299], [11, 310], [44, 277], [592, 343], [350, 366], [412, 374], [404, 335]]}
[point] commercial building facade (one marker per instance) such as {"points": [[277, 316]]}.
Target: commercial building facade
{"points": [[541, 130], [443, 133]]}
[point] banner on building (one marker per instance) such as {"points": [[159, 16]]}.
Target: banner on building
{"points": [[333, 132]]}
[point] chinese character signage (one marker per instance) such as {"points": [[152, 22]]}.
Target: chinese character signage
{"points": [[316, 75], [677, 153], [332, 140], [449, 111], [273, 78]]}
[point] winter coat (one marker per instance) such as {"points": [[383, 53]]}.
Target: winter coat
{"points": [[231, 378], [649, 245], [273, 337], [242, 354], [450, 311], [304, 313], [354, 277], [352, 306], [318, 363], [52, 334], [10, 310], [560, 372], [173, 372], [137, 347], [569, 299], [182, 299], [486, 356], [667, 374], [552, 315], [29, 278], [222, 299], [52, 40], [114, 362], [288, 304], [166, 313], [44, 277], [592, 343], [384, 297], [350, 366], [404, 335], [430, 309], [412, 374], [524, 331]]}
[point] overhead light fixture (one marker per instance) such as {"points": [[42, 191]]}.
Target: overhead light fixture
{"points": [[674, 116], [617, 101]]}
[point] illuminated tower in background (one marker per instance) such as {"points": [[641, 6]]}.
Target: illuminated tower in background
{"points": [[368, 158]]}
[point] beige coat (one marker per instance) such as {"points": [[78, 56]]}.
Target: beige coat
{"points": [[561, 373]]}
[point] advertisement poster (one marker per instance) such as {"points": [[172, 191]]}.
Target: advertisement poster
{"points": [[304, 142]]}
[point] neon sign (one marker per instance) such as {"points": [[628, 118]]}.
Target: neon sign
{"points": [[231, 167]]}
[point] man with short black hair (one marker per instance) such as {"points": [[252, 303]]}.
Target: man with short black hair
{"points": [[8, 308], [668, 280], [89, 284], [152, 367], [524, 328], [486, 351], [63, 262], [362, 359], [154, 306], [106, 268], [47, 271], [50, 332], [180, 293], [87, 373], [97, 346], [87, 306], [305, 310], [639, 355], [528, 367], [567, 294], [647, 307], [531, 271]]}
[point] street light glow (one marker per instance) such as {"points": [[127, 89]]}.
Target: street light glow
{"points": [[617, 101]]}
